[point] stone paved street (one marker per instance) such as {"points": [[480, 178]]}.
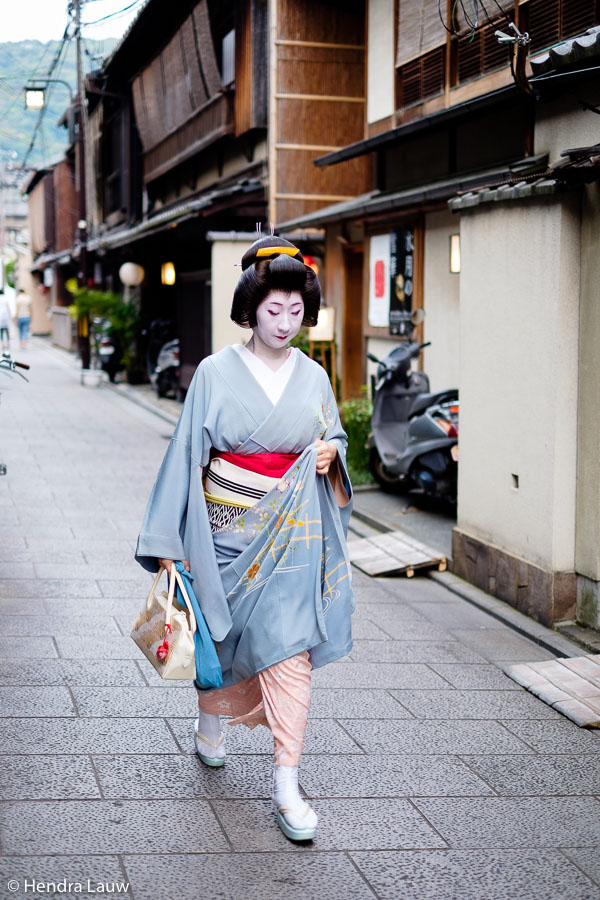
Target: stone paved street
{"points": [[433, 774]]}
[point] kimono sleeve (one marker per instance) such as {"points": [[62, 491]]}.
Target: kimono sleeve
{"points": [[163, 526], [335, 434]]}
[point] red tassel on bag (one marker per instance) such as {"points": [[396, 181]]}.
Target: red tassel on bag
{"points": [[162, 650]]}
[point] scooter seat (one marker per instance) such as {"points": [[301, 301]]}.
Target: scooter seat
{"points": [[424, 401]]}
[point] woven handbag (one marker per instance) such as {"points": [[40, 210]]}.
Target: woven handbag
{"points": [[164, 631]]}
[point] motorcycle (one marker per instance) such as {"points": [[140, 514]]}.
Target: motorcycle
{"points": [[414, 440], [10, 366], [107, 350], [162, 357]]}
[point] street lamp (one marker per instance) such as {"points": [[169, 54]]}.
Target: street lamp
{"points": [[35, 94]]}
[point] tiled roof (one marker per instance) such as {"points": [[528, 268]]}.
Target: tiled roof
{"points": [[579, 50]]}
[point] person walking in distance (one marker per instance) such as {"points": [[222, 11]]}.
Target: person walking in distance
{"points": [[253, 496], [23, 317]]}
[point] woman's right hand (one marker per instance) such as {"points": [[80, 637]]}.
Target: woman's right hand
{"points": [[167, 563]]}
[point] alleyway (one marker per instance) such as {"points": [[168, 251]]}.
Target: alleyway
{"points": [[433, 774]]}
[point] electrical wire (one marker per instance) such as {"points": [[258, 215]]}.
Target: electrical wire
{"points": [[113, 15]]}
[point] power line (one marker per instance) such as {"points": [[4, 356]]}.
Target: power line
{"points": [[113, 15]]}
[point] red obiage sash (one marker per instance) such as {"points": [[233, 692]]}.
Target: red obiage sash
{"points": [[274, 465]]}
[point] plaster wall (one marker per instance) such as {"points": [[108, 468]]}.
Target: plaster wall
{"points": [[519, 301], [588, 469], [224, 277], [380, 60], [441, 291], [561, 125]]}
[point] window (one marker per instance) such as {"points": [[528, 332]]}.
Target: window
{"points": [[421, 78], [228, 58], [551, 21]]}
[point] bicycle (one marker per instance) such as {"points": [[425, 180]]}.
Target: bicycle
{"points": [[8, 367]]}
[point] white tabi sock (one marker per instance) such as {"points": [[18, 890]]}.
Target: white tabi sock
{"points": [[288, 801], [209, 735]]}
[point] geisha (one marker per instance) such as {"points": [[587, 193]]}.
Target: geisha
{"points": [[254, 498]]}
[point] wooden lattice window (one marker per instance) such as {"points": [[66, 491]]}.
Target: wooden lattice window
{"points": [[478, 54], [551, 21], [421, 78]]}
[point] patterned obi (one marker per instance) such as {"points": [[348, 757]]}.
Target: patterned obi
{"points": [[234, 482]]}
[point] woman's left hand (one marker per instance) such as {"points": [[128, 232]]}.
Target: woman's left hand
{"points": [[326, 453]]}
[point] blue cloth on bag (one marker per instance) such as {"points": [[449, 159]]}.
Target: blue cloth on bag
{"points": [[208, 668]]}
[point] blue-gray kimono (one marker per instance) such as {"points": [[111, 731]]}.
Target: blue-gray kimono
{"points": [[276, 581]]}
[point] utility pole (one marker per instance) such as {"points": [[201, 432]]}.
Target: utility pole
{"points": [[83, 323]]}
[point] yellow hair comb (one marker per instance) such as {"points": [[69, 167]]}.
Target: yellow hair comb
{"points": [[273, 251]]}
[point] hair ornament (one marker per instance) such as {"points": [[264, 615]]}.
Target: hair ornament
{"points": [[275, 251]]}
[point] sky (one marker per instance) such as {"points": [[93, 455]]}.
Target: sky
{"points": [[45, 20]]}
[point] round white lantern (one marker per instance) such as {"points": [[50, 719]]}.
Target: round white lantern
{"points": [[131, 274]]}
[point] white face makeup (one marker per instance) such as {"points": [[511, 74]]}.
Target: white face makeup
{"points": [[278, 318]]}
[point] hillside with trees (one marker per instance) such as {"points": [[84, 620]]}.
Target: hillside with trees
{"points": [[21, 62]]}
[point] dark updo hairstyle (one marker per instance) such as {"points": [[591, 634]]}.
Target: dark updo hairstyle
{"points": [[274, 264]]}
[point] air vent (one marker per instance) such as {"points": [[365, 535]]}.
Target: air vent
{"points": [[551, 21], [422, 78]]}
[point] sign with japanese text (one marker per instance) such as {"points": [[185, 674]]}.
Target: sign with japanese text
{"points": [[402, 256], [379, 280]]}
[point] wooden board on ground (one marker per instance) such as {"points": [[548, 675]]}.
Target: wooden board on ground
{"points": [[393, 553], [571, 686]]}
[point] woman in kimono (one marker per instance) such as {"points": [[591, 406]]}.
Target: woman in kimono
{"points": [[254, 498]]}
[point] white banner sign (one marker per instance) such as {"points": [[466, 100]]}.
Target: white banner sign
{"points": [[379, 281]]}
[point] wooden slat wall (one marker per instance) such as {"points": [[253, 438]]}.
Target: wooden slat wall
{"points": [[251, 70], [318, 104], [178, 82]]}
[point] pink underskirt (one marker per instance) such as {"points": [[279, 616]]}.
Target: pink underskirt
{"points": [[277, 697]]}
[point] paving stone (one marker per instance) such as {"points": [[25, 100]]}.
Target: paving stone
{"points": [[26, 647], [410, 736], [512, 646], [413, 652], [17, 606], [269, 876], [363, 629], [456, 613], [123, 610], [382, 776], [588, 860], [129, 588], [110, 826], [475, 678], [473, 875], [385, 675], [322, 736], [81, 871], [403, 628], [59, 625], [14, 569], [47, 778], [555, 737], [539, 775], [357, 824], [35, 701], [336, 702], [515, 822], [37, 587], [137, 702], [113, 646], [70, 672], [145, 776], [22, 735], [107, 569], [474, 705]]}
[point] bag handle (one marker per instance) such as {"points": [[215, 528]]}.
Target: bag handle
{"points": [[161, 569], [176, 578]]}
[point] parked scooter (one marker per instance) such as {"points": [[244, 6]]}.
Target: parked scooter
{"points": [[167, 370], [414, 441], [162, 357], [106, 348], [10, 366]]}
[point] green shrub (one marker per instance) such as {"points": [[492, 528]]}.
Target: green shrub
{"points": [[356, 419]]}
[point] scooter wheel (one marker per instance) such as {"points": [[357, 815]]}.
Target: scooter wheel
{"points": [[389, 483]]}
